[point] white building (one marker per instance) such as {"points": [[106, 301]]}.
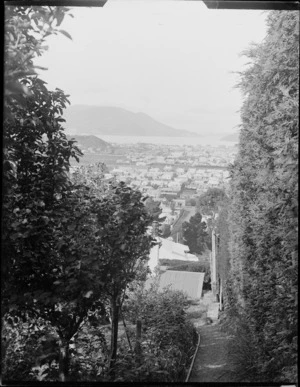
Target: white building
{"points": [[167, 249]]}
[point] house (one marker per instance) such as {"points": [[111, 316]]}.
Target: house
{"points": [[188, 193], [168, 192], [167, 249]]}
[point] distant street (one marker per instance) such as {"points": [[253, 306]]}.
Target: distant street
{"points": [[188, 212]]}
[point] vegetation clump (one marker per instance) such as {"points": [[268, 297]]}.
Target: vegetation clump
{"points": [[167, 339], [262, 243]]}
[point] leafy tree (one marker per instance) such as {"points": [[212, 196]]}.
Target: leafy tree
{"points": [[36, 152], [166, 230], [209, 203], [194, 234], [191, 202], [53, 246], [45, 218], [26, 30], [153, 207], [122, 222], [264, 206], [154, 210], [222, 250], [63, 287]]}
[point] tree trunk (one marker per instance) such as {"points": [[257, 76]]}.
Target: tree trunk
{"points": [[125, 327], [63, 360], [138, 348], [114, 331]]}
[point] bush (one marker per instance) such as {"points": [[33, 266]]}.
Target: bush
{"points": [[168, 338], [263, 209], [89, 354], [30, 350]]}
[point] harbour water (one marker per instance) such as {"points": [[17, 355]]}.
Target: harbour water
{"points": [[179, 141]]}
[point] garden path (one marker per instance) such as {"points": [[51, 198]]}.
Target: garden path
{"points": [[213, 362]]}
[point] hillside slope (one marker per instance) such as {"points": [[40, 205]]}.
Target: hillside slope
{"points": [[116, 121], [85, 142], [234, 137]]}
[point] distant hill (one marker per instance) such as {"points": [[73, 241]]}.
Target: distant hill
{"points": [[85, 142], [117, 121], [231, 137]]}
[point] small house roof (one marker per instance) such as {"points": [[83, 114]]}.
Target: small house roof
{"points": [[168, 249], [189, 282]]}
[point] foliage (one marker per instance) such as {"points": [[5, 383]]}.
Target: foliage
{"points": [[48, 221], [62, 240], [153, 207], [26, 30], [154, 210], [91, 175], [36, 151], [168, 339], [31, 350], [223, 241], [89, 353], [194, 234], [122, 223], [263, 213], [210, 204], [165, 230], [124, 242], [210, 201]]}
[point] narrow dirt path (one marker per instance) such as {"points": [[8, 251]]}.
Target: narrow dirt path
{"points": [[213, 362]]}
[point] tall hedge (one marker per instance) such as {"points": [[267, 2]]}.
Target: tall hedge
{"points": [[263, 213]]}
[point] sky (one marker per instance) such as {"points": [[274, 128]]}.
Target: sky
{"points": [[173, 60]]}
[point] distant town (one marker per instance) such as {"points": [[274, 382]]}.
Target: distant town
{"points": [[173, 175]]}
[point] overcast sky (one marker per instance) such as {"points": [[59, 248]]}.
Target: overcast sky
{"points": [[170, 59]]}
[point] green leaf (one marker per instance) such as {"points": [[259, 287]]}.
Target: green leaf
{"points": [[66, 34]]}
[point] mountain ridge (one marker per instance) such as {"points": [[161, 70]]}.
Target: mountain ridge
{"points": [[109, 120], [234, 137], [89, 141]]}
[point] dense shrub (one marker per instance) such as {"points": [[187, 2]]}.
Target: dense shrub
{"points": [[167, 341], [263, 213], [30, 350], [89, 354]]}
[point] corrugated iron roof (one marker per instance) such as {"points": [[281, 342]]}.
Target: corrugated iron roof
{"points": [[190, 283]]}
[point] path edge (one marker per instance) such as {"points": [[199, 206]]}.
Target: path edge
{"points": [[193, 360]]}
